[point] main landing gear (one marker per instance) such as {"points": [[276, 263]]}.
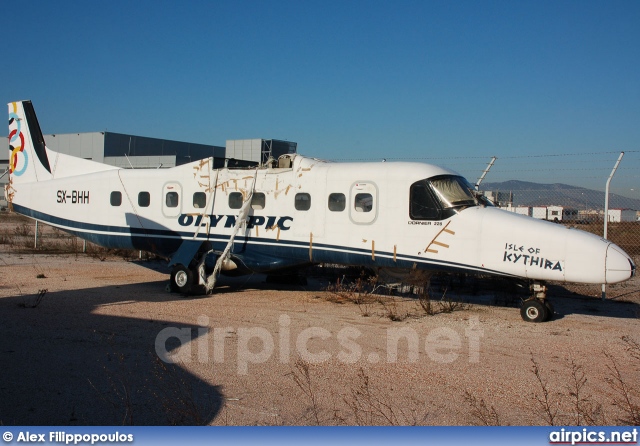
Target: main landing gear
{"points": [[537, 308], [182, 279], [185, 281]]}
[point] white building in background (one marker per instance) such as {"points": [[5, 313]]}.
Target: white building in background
{"points": [[520, 210], [621, 215], [539, 212], [560, 213], [554, 213]]}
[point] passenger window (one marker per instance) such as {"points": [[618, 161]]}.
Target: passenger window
{"points": [[363, 203], [144, 199], [258, 200], [235, 200], [172, 199], [116, 198], [199, 200], [422, 205], [303, 201], [337, 202]]}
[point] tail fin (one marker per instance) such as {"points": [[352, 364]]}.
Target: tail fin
{"points": [[28, 160]]}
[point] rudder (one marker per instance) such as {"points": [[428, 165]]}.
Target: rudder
{"points": [[28, 160]]}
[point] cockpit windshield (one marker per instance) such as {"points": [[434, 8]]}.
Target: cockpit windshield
{"points": [[453, 191], [441, 197]]}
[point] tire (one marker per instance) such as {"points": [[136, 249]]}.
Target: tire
{"points": [[181, 280], [550, 310], [533, 310]]}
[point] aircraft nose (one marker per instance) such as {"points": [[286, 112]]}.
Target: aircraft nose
{"points": [[619, 265]]}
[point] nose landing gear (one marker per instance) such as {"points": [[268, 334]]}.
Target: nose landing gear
{"points": [[537, 308]]}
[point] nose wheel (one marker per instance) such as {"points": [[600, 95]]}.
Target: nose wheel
{"points": [[537, 308]]}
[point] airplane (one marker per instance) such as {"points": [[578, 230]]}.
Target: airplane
{"points": [[398, 218]]}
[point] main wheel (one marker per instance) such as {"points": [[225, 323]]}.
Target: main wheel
{"points": [[181, 279], [533, 310], [550, 310]]}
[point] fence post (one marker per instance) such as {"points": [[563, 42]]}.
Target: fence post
{"points": [[486, 171], [606, 212]]}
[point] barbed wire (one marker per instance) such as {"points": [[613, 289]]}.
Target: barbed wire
{"points": [[486, 157]]}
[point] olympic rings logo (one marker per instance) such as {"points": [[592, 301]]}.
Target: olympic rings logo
{"points": [[15, 149]]}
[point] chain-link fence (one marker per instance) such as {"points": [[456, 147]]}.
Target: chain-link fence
{"points": [[571, 190], [19, 234]]}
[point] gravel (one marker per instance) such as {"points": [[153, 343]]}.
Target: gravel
{"points": [[256, 353]]}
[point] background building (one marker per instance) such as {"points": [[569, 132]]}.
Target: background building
{"points": [[620, 215], [141, 152], [258, 150]]}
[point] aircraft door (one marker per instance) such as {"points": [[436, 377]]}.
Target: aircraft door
{"points": [[172, 199], [363, 202]]}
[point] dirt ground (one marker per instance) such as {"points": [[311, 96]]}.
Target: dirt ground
{"points": [[90, 340]]}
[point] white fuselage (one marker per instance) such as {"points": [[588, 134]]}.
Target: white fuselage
{"points": [[299, 220]]}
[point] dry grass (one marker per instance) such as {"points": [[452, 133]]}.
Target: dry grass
{"points": [[372, 297], [574, 403], [363, 404]]}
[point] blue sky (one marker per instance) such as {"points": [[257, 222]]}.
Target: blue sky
{"points": [[346, 80]]}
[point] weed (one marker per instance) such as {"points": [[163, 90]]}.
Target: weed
{"points": [[424, 299], [585, 410], [391, 310], [363, 405], [359, 292], [370, 406], [22, 230], [486, 415], [365, 292], [302, 378], [449, 305], [627, 397], [546, 405]]}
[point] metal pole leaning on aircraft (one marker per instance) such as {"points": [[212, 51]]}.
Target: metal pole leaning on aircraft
{"points": [[201, 266], [606, 211], [486, 171], [240, 221]]}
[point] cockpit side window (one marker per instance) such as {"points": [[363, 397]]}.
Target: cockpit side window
{"points": [[422, 205]]}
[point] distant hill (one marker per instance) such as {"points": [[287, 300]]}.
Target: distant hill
{"points": [[535, 194]]}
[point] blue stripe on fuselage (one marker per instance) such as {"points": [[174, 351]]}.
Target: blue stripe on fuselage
{"points": [[258, 254]]}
